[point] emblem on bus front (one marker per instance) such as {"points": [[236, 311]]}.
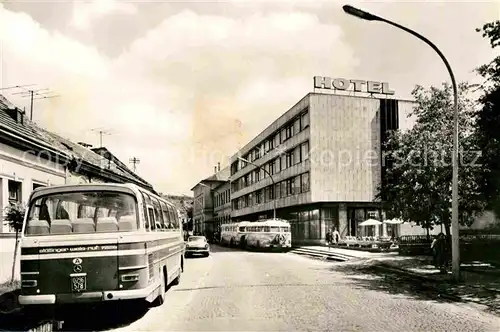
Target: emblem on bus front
{"points": [[77, 268], [77, 261]]}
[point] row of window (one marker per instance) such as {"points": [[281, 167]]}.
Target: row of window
{"points": [[290, 158], [291, 128], [159, 215], [291, 186], [223, 219], [222, 198]]}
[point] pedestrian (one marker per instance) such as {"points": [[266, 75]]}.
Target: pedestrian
{"points": [[439, 251], [336, 236], [329, 238]]}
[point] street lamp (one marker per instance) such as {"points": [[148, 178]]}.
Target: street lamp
{"points": [[272, 180], [455, 248]]}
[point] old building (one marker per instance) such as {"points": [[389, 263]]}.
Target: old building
{"points": [[208, 209], [319, 164], [31, 156]]}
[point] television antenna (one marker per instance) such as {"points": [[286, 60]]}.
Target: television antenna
{"points": [[33, 94], [101, 133], [134, 161]]}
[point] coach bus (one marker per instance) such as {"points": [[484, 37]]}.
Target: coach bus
{"points": [[99, 243], [267, 233]]}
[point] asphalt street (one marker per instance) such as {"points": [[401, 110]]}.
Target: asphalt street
{"points": [[252, 291]]}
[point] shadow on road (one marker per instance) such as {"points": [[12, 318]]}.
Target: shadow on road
{"points": [[371, 277], [103, 316]]}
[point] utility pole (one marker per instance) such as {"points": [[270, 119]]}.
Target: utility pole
{"points": [[134, 161], [34, 94]]}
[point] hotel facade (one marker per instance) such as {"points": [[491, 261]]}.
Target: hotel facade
{"points": [[319, 164]]}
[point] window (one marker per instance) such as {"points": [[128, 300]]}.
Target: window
{"points": [[158, 214], [283, 189], [304, 151], [277, 190], [14, 191], [145, 199], [288, 132], [151, 216], [271, 143], [304, 120], [296, 185], [258, 196], [166, 215], [271, 192], [278, 164], [82, 212], [276, 139], [271, 167], [174, 218], [257, 175], [289, 187], [296, 153], [36, 185], [290, 159], [305, 182], [296, 126]]}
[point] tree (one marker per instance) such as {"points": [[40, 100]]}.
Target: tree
{"points": [[419, 165], [487, 132], [14, 214]]}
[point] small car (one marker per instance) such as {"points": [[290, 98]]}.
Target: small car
{"points": [[197, 245]]}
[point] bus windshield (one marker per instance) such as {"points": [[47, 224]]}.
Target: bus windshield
{"points": [[82, 212]]}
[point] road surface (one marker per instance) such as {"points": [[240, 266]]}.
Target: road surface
{"points": [[249, 291]]}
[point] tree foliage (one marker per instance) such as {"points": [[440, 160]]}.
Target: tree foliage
{"points": [[488, 121], [14, 214], [419, 162]]}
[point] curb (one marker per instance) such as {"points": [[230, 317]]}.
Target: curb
{"points": [[320, 254]]}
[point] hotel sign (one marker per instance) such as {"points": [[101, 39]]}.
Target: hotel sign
{"points": [[343, 84]]}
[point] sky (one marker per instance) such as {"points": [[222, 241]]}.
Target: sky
{"points": [[181, 85]]}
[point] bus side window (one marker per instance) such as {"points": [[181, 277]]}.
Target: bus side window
{"points": [[146, 215], [151, 215], [164, 213], [158, 215], [173, 218]]}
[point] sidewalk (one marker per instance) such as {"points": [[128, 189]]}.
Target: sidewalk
{"points": [[480, 280]]}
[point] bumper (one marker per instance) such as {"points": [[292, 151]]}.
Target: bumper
{"points": [[88, 296], [197, 251]]}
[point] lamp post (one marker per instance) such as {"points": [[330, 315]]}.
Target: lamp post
{"points": [[272, 180], [454, 204]]}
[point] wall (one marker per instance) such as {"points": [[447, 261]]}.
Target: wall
{"points": [[344, 148], [7, 243], [28, 169]]}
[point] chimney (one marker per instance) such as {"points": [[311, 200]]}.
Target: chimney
{"points": [[215, 169], [218, 167]]}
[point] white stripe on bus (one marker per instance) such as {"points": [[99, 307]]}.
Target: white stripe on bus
{"points": [[105, 253]]}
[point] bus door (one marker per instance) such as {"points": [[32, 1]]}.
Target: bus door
{"points": [[79, 265]]}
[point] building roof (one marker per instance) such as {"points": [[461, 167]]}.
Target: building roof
{"points": [[219, 177], [34, 133]]}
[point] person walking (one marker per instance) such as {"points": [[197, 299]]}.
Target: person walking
{"points": [[439, 251], [329, 237], [336, 236]]}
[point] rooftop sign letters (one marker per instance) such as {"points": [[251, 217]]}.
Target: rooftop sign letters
{"points": [[358, 85]]}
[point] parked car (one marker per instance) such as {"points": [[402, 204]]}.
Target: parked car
{"points": [[197, 245]]}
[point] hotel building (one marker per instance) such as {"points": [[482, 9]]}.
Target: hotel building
{"points": [[319, 165]]}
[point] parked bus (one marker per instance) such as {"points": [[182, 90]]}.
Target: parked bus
{"points": [[99, 243], [269, 233]]}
